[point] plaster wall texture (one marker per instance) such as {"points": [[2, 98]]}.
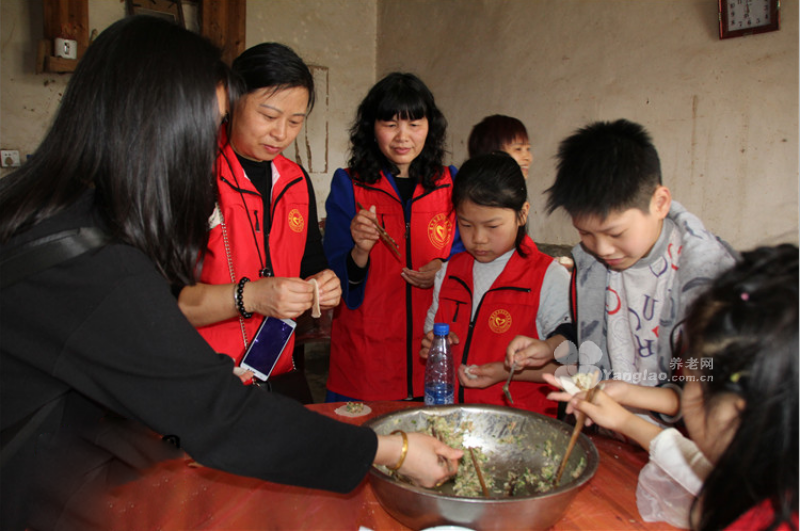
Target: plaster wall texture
{"points": [[338, 39], [336, 36], [28, 101], [722, 113]]}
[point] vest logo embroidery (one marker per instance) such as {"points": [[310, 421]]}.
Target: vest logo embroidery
{"points": [[439, 230], [296, 221], [500, 321]]}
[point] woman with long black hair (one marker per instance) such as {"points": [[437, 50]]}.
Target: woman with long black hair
{"points": [[94, 347]]}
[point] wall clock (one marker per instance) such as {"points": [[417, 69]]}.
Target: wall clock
{"points": [[746, 17]]}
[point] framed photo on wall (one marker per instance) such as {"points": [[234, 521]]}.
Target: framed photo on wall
{"points": [[170, 10]]}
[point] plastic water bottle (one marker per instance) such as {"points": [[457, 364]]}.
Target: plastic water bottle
{"points": [[439, 371]]}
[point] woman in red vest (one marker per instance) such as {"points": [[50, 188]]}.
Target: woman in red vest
{"points": [[264, 244], [501, 287], [395, 181]]}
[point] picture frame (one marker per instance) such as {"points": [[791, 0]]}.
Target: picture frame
{"points": [[171, 10]]}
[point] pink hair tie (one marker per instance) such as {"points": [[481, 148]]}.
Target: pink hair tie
{"points": [[745, 296]]}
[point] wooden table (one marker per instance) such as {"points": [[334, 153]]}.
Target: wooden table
{"points": [[176, 496]]}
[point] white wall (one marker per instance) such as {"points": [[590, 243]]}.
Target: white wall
{"points": [[28, 101], [723, 113], [338, 35]]}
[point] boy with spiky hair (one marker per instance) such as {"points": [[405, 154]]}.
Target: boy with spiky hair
{"points": [[642, 258]]}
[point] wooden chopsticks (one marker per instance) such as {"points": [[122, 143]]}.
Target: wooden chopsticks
{"points": [[580, 418], [480, 474], [388, 240]]}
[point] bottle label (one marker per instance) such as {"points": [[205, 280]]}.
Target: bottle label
{"points": [[439, 394]]}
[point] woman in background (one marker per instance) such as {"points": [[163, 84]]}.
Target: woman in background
{"points": [[395, 181]]}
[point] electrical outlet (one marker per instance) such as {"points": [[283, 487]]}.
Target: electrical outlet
{"points": [[9, 158]]}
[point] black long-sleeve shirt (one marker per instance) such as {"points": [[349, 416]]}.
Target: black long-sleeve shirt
{"points": [[104, 329], [260, 174]]}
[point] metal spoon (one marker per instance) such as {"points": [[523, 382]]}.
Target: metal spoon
{"points": [[508, 382]]}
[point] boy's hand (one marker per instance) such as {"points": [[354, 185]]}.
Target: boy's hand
{"points": [[528, 352], [452, 339], [482, 376]]}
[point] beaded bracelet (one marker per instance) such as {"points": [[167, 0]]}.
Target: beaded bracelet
{"points": [[240, 300], [403, 452]]}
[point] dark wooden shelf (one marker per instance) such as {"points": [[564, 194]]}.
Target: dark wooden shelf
{"points": [[59, 65], [45, 62], [62, 18]]}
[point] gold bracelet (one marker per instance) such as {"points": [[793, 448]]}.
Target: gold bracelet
{"points": [[403, 453]]}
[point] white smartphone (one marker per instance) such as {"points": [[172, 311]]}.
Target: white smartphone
{"points": [[267, 347]]}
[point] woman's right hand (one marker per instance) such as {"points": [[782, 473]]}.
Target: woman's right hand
{"points": [[428, 462], [365, 234], [281, 297]]}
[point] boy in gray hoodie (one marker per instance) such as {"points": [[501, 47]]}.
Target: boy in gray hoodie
{"points": [[642, 258]]}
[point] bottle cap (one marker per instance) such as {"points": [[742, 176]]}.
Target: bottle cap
{"points": [[441, 329]]}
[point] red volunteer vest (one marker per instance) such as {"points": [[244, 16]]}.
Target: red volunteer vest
{"points": [[236, 242], [508, 309], [376, 346]]}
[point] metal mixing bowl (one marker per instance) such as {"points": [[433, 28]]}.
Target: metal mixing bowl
{"points": [[420, 508]]}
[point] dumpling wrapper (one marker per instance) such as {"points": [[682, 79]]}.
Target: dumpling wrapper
{"points": [[578, 382], [568, 385], [353, 409], [316, 313]]}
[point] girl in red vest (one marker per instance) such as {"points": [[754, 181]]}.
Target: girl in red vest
{"points": [[395, 181], [264, 244], [501, 287]]}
